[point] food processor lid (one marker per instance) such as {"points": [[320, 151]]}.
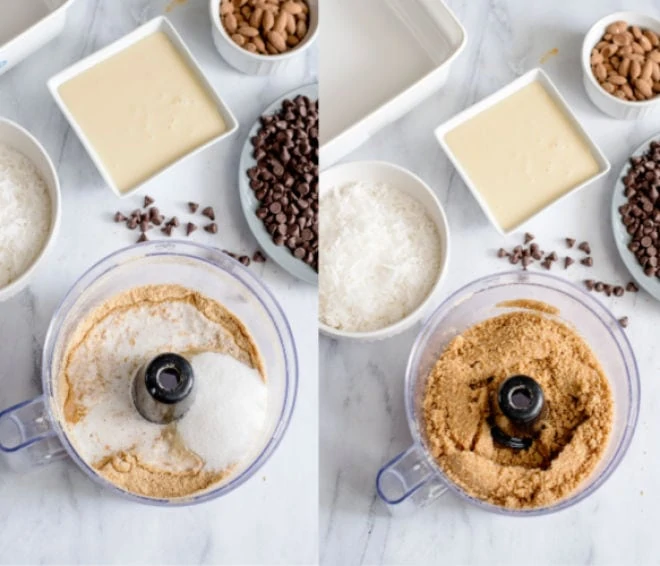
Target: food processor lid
{"points": [[520, 398], [163, 389]]}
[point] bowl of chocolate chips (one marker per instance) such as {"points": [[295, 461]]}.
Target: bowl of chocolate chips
{"points": [[636, 215], [278, 182]]}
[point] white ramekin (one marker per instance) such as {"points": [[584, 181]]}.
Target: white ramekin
{"points": [[381, 172], [23, 141], [255, 63], [604, 101]]}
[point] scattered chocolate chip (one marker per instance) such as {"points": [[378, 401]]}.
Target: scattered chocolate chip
{"points": [[599, 286], [167, 229], [132, 223], [526, 261], [174, 221], [245, 260], [502, 253], [619, 291], [119, 217], [142, 238], [547, 263], [258, 257], [568, 261], [211, 228], [209, 212], [632, 287], [144, 226], [514, 259], [157, 220], [585, 247], [190, 228], [148, 201], [528, 237], [553, 256], [570, 242], [136, 213], [608, 289], [154, 213], [588, 261], [624, 322], [589, 284], [193, 206]]}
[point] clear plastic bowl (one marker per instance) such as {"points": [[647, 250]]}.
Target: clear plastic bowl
{"points": [[413, 479], [33, 429]]}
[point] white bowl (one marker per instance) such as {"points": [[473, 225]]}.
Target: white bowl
{"points": [[255, 63], [23, 141], [375, 172], [490, 101], [158, 24], [604, 101]]}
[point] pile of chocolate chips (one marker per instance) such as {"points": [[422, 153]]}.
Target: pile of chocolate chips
{"points": [[528, 253], [150, 216], [285, 179], [641, 214]]}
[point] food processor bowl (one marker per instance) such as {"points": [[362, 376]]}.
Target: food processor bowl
{"points": [[34, 429], [414, 479]]}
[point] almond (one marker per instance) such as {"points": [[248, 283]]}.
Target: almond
{"points": [[280, 22], [292, 8], [609, 50], [645, 43], [609, 87], [635, 69], [622, 39], [277, 40], [600, 72], [637, 48], [291, 25], [301, 29], [624, 67], [647, 70], [251, 47], [637, 33], [645, 87], [256, 17], [627, 90], [617, 27], [617, 80], [238, 39], [226, 8], [268, 21], [655, 56], [655, 74], [230, 23], [652, 37], [248, 31], [292, 41]]}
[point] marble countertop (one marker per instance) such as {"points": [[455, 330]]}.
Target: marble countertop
{"points": [[56, 515], [362, 419]]}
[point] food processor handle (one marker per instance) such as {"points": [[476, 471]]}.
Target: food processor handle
{"points": [[26, 430], [409, 482]]}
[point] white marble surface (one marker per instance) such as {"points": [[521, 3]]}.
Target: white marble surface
{"points": [[362, 413], [57, 515]]}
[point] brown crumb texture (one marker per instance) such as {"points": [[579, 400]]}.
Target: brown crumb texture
{"points": [[460, 397]]}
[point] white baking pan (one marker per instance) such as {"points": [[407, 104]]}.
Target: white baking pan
{"points": [[379, 59], [27, 25]]}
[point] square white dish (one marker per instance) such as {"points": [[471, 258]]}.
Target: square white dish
{"points": [[27, 25], [159, 24], [535, 75], [379, 59]]}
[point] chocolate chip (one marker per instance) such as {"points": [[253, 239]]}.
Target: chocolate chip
{"points": [[136, 213], [570, 242], [568, 262], [619, 291], [167, 229], [258, 257], [132, 223], [148, 201], [632, 287], [142, 238], [514, 259], [144, 226], [209, 212], [154, 213], [211, 228], [502, 253], [526, 261], [585, 247], [624, 322], [589, 284], [157, 220], [193, 206], [553, 256], [588, 261], [608, 289], [174, 221], [599, 286], [528, 237], [190, 228], [547, 263], [119, 217], [245, 260]]}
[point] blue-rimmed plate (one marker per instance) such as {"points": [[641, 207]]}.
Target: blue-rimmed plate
{"points": [[650, 284], [249, 203]]}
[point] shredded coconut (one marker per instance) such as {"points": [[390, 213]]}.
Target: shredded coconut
{"points": [[380, 256], [25, 214]]}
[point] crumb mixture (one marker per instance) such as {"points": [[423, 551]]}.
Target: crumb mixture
{"points": [[460, 396], [101, 358]]}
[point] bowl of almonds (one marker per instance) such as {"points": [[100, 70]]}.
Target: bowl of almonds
{"points": [[621, 65], [260, 37]]}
